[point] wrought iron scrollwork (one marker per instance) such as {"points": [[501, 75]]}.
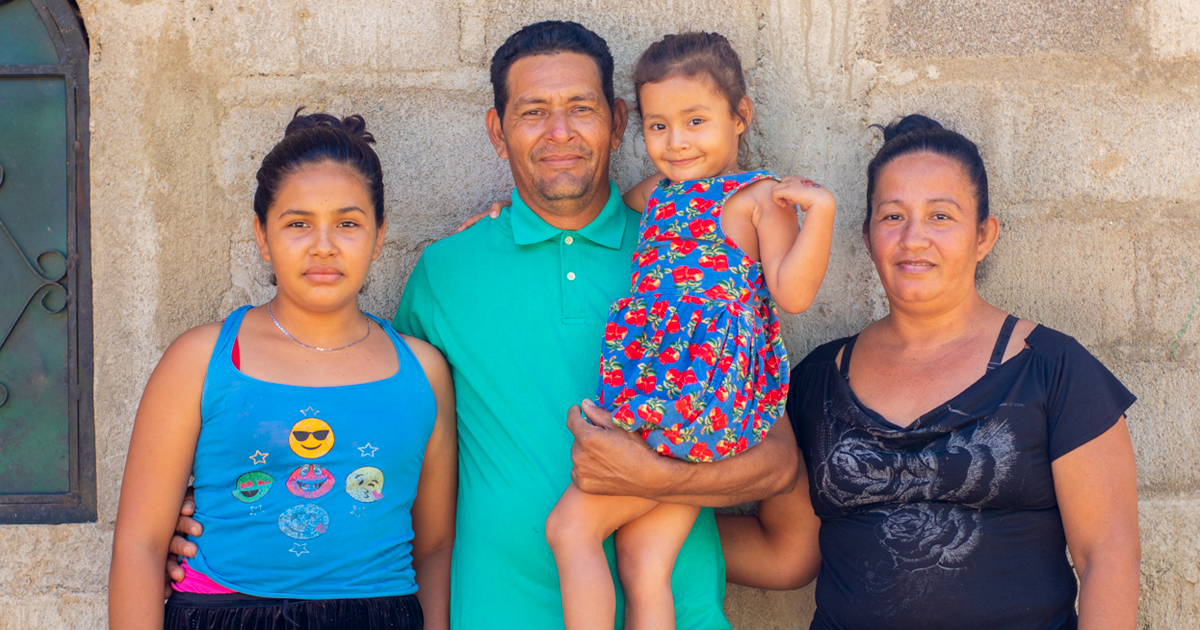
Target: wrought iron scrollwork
{"points": [[51, 283]]}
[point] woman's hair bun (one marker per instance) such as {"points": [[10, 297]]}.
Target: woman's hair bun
{"points": [[354, 125], [909, 124]]}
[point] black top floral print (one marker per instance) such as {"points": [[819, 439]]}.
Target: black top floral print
{"points": [[952, 521]]}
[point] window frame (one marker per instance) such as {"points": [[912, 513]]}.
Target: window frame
{"points": [[78, 505]]}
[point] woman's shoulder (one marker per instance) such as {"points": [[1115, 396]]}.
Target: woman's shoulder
{"points": [[825, 353], [1054, 345]]}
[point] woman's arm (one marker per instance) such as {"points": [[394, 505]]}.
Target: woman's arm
{"points": [[156, 473], [794, 264], [777, 549], [1096, 486], [433, 510], [609, 460]]}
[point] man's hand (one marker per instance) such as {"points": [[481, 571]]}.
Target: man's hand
{"points": [[609, 460], [492, 212], [180, 546]]}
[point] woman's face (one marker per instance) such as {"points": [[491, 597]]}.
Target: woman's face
{"points": [[320, 236], [924, 235]]}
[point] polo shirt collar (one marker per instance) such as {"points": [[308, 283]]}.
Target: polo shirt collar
{"points": [[607, 229]]}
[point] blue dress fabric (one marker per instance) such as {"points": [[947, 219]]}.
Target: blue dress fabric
{"points": [[693, 360], [306, 492]]}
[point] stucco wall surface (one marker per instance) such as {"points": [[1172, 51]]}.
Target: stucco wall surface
{"points": [[1087, 113]]}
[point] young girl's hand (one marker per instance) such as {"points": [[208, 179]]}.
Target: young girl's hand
{"points": [[803, 192]]}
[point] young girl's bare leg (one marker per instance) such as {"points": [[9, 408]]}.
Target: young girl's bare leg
{"points": [[576, 530], [646, 552]]}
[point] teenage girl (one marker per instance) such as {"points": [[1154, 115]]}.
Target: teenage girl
{"points": [[693, 360], [322, 443]]}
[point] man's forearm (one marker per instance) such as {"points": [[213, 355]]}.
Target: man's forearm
{"points": [[755, 474]]}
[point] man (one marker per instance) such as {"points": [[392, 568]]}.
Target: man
{"points": [[518, 307]]}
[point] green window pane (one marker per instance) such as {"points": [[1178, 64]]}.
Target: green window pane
{"points": [[24, 39], [34, 409]]}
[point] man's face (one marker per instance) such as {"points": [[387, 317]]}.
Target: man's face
{"points": [[557, 132]]}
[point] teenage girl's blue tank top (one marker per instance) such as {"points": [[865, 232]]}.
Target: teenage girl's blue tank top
{"points": [[306, 492]]}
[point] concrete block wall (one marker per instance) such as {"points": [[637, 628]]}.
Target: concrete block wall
{"points": [[1087, 112]]}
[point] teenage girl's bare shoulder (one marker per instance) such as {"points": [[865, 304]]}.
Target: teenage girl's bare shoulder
{"points": [[638, 196], [431, 360], [191, 350]]}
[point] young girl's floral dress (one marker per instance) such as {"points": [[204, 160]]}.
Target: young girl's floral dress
{"points": [[693, 360]]}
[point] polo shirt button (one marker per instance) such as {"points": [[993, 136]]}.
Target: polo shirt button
{"points": [[568, 240], [570, 275]]}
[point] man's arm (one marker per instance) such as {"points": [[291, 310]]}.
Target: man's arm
{"points": [[609, 460]]}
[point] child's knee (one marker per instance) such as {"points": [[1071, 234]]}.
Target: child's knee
{"points": [[642, 571], [564, 529]]}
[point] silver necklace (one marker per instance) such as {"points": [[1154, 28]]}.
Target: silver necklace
{"points": [[289, 335]]}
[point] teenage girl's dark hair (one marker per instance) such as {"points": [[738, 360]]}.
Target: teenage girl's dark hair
{"points": [[691, 55], [315, 138], [915, 134], [550, 38]]}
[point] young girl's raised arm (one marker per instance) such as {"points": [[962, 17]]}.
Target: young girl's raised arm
{"points": [[638, 196], [794, 264], [157, 469], [434, 509]]}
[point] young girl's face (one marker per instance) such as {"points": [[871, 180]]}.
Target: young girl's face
{"points": [[320, 236], [690, 131]]}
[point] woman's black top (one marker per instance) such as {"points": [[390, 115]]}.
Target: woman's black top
{"points": [[952, 521]]}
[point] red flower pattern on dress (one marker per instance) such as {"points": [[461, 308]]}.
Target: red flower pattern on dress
{"points": [[693, 361]]}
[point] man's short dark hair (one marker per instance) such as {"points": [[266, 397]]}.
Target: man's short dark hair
{"points": [[550, 38]]}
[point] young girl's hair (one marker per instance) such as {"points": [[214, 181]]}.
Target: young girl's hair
{"points": [[315, 138], [692, 55]]}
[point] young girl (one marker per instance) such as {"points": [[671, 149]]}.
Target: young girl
{"points": [[693, 360], [322, 443]]}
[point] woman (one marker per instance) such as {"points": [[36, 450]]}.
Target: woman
{"points": [[322, 443], [951, 450]]}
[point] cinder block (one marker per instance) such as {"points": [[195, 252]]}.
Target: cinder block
{"points": [[1057, 143], [54, 612], [1004, 28], [1174, 28], [47, 560], [247, 38], [1165, 425], [389, 35], [1068, 275], [769, 610], [629, 30], [1170, 528], [1168, 295]]}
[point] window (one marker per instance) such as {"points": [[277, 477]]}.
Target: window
{"points": [[47, 446]]}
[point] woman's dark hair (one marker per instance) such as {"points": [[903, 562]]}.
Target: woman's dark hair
{"points": [[691, 55], [315, 138], [916, 134], [550, 38]]}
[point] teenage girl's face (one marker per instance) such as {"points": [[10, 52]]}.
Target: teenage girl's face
{"points": [[320, 236], [690, 131], [924, 235]]}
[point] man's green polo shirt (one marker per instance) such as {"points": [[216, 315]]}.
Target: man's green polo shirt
{"points": [[518, 308]]}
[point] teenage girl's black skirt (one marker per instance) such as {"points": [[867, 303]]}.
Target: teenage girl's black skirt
{"points": [[193, 611]]}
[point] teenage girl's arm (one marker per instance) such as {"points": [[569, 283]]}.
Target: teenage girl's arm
{"points": [[433, 510], [777, 548], [156, 473], [793, 260]]}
